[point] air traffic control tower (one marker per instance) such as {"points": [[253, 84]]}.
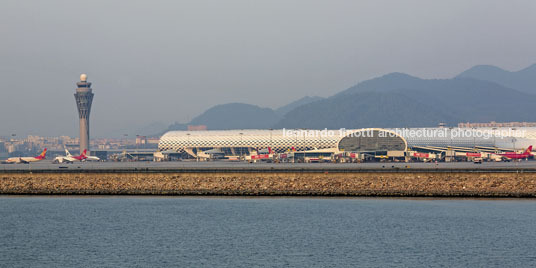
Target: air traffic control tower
{"points": [[84, 98]]}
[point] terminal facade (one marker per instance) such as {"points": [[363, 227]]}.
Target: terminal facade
{"points": [[372, 141]]}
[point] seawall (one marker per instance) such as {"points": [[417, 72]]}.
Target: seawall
{"points": [[425, 184]]}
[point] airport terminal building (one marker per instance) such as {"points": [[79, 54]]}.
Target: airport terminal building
{"points": [[243, 142], [282, 140]]}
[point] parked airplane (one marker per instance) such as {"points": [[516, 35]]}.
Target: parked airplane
{"points": [[264, 154], [265, 151], [26, 160], [513, 155], [215, 153], [89, 157], [68, 158]]}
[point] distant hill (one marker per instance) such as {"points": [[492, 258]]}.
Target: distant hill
{"points": [[151, 129], [295, 104], [388, 82], [481, 94], [242, 116], [177, 126], [523, 80], [367, 109], [400, 100], [237, 116]]}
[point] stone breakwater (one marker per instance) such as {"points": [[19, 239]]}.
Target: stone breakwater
{"points": [[444, 184]]}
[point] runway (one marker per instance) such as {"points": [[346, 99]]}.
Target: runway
{"points": [[224, 166]]}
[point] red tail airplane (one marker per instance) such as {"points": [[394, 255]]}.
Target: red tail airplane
{"points": [[263, 154], [89, 157], [68, 158], [81, 156], [514, 155], [27, 160]]}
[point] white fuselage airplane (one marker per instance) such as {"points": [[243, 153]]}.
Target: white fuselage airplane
{"points": [[68, 158], [91, 158], [26, 160]]}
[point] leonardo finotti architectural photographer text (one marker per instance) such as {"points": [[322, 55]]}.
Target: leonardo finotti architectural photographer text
{"points": [[452, 133]]}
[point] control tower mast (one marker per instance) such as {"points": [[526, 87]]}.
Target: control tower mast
{"points": [[84, 98]]}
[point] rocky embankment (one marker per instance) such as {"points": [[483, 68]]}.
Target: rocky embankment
{"points": [[266, 184]]}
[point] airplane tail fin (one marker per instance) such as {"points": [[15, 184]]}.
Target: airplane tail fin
{"points": [[528, 150], [84, 152], [67, 153], [43, 155]]}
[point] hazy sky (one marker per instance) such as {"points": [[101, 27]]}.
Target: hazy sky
{"points": [[167, 61]]}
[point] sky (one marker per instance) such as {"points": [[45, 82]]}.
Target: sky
{"points": [[168, 61]]}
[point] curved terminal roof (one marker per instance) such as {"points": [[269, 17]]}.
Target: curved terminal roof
{"points": [[372, 140], [281, 140], [278, 139]]}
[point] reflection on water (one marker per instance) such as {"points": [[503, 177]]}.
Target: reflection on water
{"points": [[305, 232]]}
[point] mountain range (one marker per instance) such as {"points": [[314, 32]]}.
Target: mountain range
{"points": [[523, 80], [480, 94]]}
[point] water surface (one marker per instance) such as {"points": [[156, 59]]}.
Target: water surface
{"points": [[265, 232]]}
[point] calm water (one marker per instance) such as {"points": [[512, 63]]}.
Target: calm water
{"points": [[265, 232]]}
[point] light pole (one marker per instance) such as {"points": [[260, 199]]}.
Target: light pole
{"points": [[187, 142], [271, 145], [241, 135], [474, 139], [190, 145], [304, 143], [514, 139], [494, 130], [514, 142], [296, 149], [450, 135]]}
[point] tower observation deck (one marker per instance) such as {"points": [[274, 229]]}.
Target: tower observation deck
{"points": [[84, 98]]}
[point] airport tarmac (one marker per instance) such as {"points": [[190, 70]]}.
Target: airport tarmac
{"points": [[224, 166]]}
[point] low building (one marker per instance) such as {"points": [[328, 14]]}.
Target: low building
{"points": [[494, 124]]}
